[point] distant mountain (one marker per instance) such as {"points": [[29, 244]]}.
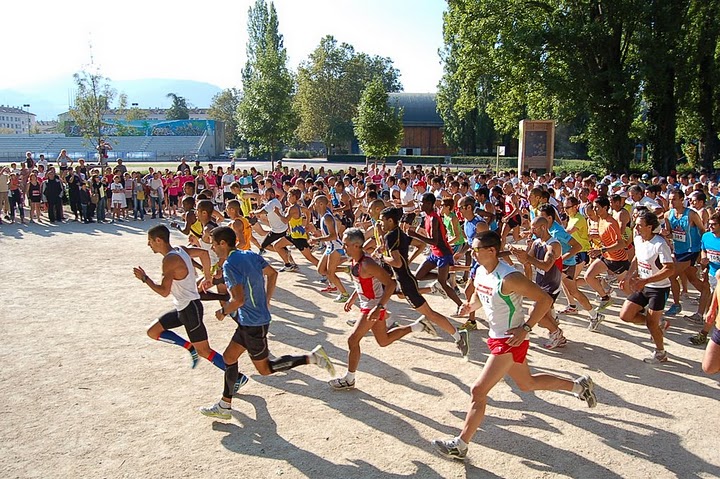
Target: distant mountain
{"points": [[50, 98]]}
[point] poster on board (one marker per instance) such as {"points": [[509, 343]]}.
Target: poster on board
{"points": [[536, 148]]}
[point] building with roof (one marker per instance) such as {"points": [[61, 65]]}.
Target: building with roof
{"points": [[152, 114], [16, 120], [422, 124]]}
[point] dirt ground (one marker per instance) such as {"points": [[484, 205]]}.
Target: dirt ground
{"points": [[86, 394]]}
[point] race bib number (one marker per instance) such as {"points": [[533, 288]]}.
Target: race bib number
{"points": [[644, 270], [713, 256], [679, 235]]}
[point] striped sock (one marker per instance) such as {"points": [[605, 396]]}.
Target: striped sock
{"points": [[172, 338], [217, 360]]}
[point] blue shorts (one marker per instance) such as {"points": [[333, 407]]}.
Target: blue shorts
{"points": [[691, 256], [716, 336], [331, 248], [440, 261], [582, 257], [473, 269]]}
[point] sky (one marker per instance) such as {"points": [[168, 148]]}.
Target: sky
{"points": [[205, 41]]}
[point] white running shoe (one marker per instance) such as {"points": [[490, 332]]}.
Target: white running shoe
{"points": [[216, 411], [428, 327], [437, 289], [322, 360], [341, 384], [656, 358], [556, 340], [587, 394], [450, 449]]}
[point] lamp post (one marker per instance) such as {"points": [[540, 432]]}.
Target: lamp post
{"points": [[27, 107]]}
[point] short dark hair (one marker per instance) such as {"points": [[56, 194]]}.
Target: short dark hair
{"points": [[159, 231], [428, 198], [488, 239], [602, 201], [226, 234], [549, 210], [393, 214]]}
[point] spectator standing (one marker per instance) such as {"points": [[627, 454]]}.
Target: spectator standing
{"points": [[4, 192], [53, 192]]}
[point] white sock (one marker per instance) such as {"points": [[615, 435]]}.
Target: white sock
{"points": [[224, 404], [350, 377], [416, 327], [593, 313], [456, 336], [460, 443]]}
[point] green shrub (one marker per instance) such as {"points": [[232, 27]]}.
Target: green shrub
{"points": [[302, 154]]}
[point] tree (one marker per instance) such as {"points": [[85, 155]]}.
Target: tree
{"points": [[92, 101], [223, 108], [264, 113], [378, 125], [179, 109], [550, 59], [330, 84]]}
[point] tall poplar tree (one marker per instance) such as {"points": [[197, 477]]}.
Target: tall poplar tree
{"points": [[264, 113]]}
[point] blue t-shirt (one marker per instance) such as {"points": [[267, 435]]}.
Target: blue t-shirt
{"points": [[711, 246], [470, 227], [559, 233], [245, 268]]}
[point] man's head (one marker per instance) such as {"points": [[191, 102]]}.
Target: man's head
{"points": [[204, 211], [223, 241], [602, 206], [548, 211], [233, 208], [486, 246], [391, 218], [539, 227], [320, 204], [159, 238], [466, 205], [428, 203], [353, 240]]}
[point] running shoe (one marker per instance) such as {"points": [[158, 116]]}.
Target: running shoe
{"points": [[329, 289], [437, 289], [450, 449], [194, 357], [294, 268], [469, 325], [604, 303], [341, 298], [569, 310], [341, 384], [216, 411], [287, 267], [674, 310], [463, 344], [428, 327], [595, 322], [242, 380], [460, 281], [262, 251], [605, 286], [457, 290], [351, 322], [587, 394], [556, 340], [323, 279], [700, 339], [322, 360], [696, 318], [656, 358]]}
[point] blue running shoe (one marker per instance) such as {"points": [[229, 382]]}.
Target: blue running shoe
{"points": [[242, 380], [674, 310], [194, 357]]}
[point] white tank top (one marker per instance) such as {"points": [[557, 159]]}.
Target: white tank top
{"points": [[407, 197], [184, 290], [503, 311]]}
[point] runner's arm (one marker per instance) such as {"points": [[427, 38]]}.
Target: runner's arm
{"points": [[271, 276], [237, 300], [204, 258], [518, 283]]}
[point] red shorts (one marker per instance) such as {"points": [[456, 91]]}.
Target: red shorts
{"points": [[367, 311], [500, 346]]}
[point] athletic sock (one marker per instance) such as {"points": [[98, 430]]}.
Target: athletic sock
{"points": [[456, 336], [460, 443], [217, 360], [231, 377], [350, 377], [416, 327], [172, 338], [224, 404], [289, 362], [577, 388]]}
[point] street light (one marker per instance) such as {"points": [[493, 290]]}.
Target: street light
{"points": [[27, 106]]}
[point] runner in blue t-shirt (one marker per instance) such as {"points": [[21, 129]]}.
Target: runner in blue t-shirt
{"points": [[710, 257], [473, 224], [245, 273]]}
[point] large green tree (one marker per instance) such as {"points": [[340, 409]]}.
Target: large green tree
{"points": [[223, 108], [264, 114], [329, 86], [179, 109], [549, 59], [93, 99], [378, 125]]}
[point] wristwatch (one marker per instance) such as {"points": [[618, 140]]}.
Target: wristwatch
{"points": [[527, 327]]}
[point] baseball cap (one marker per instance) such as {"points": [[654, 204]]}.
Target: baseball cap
{"points": [[645, 176]]}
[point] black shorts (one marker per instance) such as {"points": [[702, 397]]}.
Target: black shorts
{"points": [[228, 195], [271, 238], [299, 243], [582, 257], [617, 267], [685, 257], [191, 317], [569, 270], [252, 220], [408, 218], [173, 200], [409, 288], [254, 340], [716, 336], [514, 222], [653, 298], [348, 220]]}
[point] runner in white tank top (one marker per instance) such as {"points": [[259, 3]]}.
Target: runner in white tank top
{"points": [[184, 290], [499, 288]]}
